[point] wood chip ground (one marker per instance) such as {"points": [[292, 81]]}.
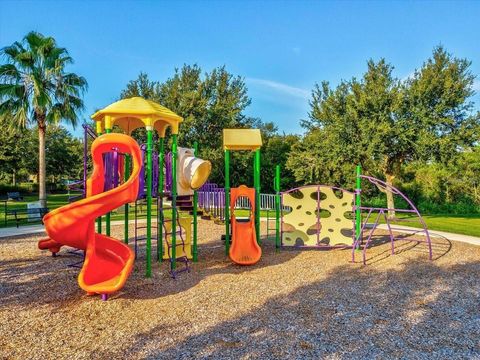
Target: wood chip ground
{"points": [[292, 304]]}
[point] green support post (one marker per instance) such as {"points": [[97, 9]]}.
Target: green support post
{"points": [[126, 176], [358, 204], [227, 202], [161, 162], [99, 219], [108, 215], [173, 264], [256, 181], [149, 201], [277, 207], [195, 210]]}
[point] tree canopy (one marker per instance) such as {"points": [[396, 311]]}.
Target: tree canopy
{"points": [[383, 123], [35, 88]]}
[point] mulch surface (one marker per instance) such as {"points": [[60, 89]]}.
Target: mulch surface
{"points": [[292, 304]]}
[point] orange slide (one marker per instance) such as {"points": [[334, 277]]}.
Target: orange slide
{"points": [[244, 249], [108, 261]]}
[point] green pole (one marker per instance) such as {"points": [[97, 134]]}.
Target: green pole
{"points": [[195, 209], [99, 219], [161, 162], [149, 201], [277, 207], [227, 202], [107, 216], [256, 181], [358, 204], [174, 202], [126, 176]]}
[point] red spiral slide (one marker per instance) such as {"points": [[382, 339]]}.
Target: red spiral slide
{"points": [[108, 262]]}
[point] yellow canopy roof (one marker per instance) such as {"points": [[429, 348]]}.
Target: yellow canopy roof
{"points": [[132, 113], [242, 139]]}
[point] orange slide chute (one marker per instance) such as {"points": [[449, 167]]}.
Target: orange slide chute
{"points": [[108, 262], [244, 249]]}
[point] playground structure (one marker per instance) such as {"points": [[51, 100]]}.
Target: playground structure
{"points": [[321, 216], [245, 235], [113, 172], [311, 216]]}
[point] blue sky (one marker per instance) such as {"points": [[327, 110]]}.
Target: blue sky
{"points": [[281, 48]]}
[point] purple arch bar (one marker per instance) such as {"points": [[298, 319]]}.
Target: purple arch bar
{"points": [[382, 212]]}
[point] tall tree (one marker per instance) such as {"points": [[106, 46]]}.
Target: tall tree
{"points": [[208, 103], [12, 151], [383, 123], [64, 154], [36, 89]]}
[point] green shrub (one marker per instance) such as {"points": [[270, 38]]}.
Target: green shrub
{"points": [[458, 208], [23, 188]]}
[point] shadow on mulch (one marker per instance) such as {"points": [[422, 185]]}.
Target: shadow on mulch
{"points": [[367, 313], [212, 261], [47, 279], [441, 246]]}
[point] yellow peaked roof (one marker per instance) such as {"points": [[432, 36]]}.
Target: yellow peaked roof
{"points": [[132, 113], [242, 139]]}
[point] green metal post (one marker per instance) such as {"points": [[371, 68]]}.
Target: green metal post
{"points": [[126, 176], [227, 202], [195, 209], [358, 204], [161, 162], [277, 207], [173, 264], [149, 201], [107, 216], [99, 219], [256, 181]]}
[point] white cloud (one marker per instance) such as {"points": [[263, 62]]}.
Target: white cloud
{"points": [[280, 87]]}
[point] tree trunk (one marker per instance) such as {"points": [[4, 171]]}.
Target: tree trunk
{"points": [[390, 200], [14, 177], [42, 166]]}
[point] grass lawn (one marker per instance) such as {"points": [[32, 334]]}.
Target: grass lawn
{"points": [[461, 224]]}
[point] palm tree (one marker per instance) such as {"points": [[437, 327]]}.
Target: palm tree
{"points": [[36, 90]]}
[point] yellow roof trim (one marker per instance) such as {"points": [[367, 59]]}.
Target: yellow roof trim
{"points": [[132, 113], [242, 139]]}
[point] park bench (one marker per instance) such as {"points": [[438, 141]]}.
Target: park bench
{"points": [[14, 196], [23, 214]]}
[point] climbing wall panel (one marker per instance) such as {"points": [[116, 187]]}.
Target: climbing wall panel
{"points": [[318, 216], [302, 217], [335, 229]]}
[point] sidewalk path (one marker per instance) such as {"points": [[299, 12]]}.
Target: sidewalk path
{"points": [[22, 230], [434, 233], [38, 229]]}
